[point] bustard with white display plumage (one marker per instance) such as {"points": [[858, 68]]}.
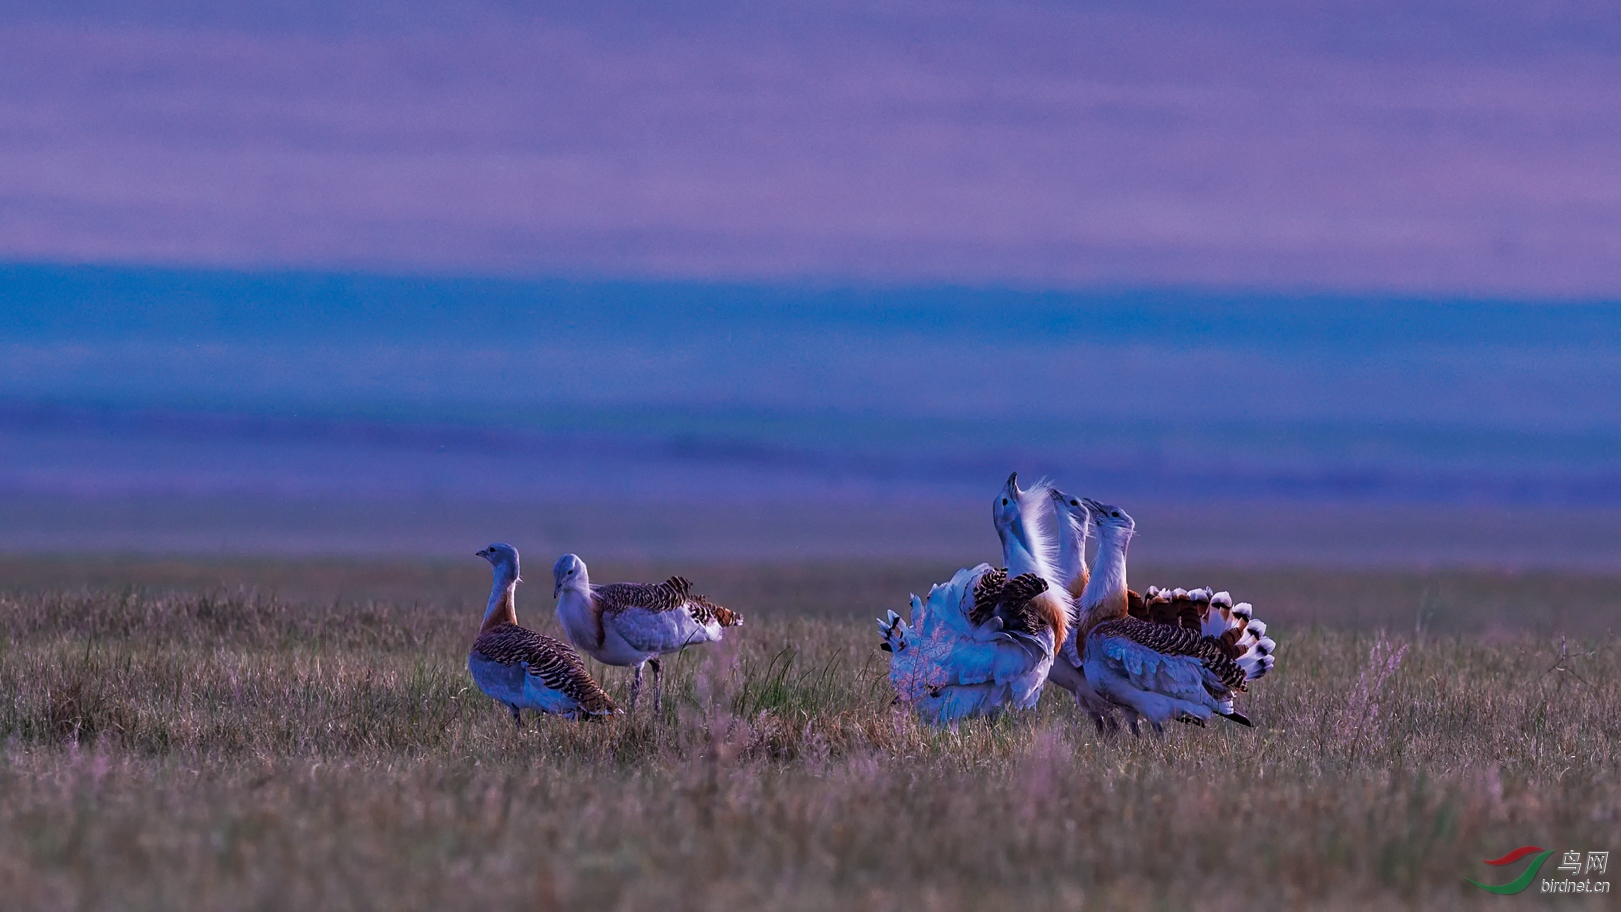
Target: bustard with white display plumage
{"points": [[984, 641]]}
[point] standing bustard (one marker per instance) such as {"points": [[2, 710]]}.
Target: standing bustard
{"points": [[632, 624], [521, 668]]}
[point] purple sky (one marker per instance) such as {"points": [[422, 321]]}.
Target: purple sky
{"points": [[1418, 147]]}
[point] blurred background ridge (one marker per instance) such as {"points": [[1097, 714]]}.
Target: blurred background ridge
{"points": [[363, 414], [1295, 284]]}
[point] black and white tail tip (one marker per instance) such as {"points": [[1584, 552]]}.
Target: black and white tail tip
{"points": [[892, 629]]}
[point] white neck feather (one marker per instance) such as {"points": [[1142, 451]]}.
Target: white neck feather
{"points": [[1031, 546], [1072, 535], [581, 582], [1107, 586]]}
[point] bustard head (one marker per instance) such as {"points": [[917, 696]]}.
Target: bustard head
{"points": [[1111, 520], [568, 569], [1024, 522], [1073, 511], [502, 555], [1005, 512]]}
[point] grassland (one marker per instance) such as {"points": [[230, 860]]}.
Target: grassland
{"points": [[277, 736]]}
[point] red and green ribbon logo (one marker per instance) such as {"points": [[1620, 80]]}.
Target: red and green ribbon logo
{"points": [[1525, 878]]}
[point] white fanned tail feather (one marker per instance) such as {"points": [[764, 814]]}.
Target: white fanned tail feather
{"points": [[948, 669], [1255, 647], [1234, 625]]}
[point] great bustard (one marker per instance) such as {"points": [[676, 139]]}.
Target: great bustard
{"points": [[1170, 669], [523, 669], [631, 624], [1074, 525], [984, 641]]}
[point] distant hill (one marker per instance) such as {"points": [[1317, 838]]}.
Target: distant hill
{"points": [[327, 389]]}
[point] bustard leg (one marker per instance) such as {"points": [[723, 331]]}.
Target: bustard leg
{"points": [[1102, 714], [517, 721], [658, 703], [1131, 719], [1086, 707], [635, 689], [1106, 722], [1098, 720]]}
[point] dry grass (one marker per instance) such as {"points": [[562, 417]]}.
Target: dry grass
{"points": [[178, 748]]}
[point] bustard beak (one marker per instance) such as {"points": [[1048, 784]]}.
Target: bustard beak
{"points": [[1013, 484]]}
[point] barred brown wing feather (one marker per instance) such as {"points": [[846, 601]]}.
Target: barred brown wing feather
{"points": [[1188, 610], [673, 594], [1169, 639], [1012, 600], [1023, 588], [564, 672], [556, 664], [1018, 604], [987, 595], [665, 596]]}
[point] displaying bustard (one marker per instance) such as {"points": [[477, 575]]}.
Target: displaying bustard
{"points": [[1074, 529], [1186, 670], [523, 669], [984, 641], [631, 624]]}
